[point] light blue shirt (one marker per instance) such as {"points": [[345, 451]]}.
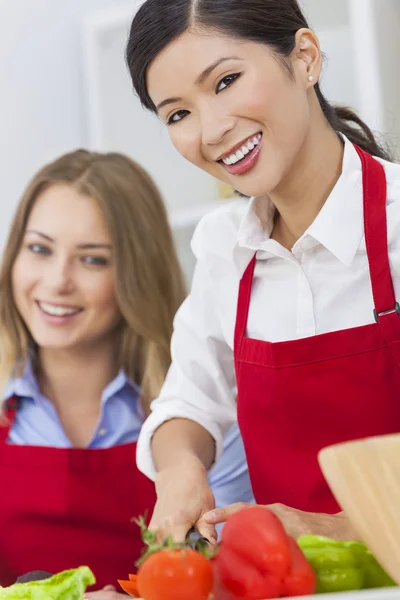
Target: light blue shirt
{"points": [[37, 424]]}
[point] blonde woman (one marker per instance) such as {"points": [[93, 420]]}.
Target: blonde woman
{"points": [[89, 286]]}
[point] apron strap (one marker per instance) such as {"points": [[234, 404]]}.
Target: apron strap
{"points": [[245, 287], [7, 418], [387, 309], [375, 226]]}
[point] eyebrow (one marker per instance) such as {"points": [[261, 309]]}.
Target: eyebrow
{"points": [[200, 79], [80, 246]]}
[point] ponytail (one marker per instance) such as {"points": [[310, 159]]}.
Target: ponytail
{"points": [[344, 120]]}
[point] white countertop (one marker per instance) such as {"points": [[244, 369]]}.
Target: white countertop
{"points": [[378, 594]]}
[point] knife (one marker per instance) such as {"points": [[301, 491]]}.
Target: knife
{"points": [[195, 540]]}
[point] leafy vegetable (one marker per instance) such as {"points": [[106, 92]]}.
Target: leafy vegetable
{"points": [[68, 585]]}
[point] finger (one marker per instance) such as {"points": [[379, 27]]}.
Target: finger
{"points": [[177, 531], [109, 588], [207, 531], [220, 515]]}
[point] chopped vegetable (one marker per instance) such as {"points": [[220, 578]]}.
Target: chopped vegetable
{"points": [[68, 585], [130, 587], [257, 560], [343, 566]]}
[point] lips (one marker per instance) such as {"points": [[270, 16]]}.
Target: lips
{"points": [[242, 150], [245, 158]]}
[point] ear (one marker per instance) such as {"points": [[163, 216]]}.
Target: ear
{"points": [[307, 57]]}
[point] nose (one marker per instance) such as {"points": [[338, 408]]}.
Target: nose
{"points": [[58, 277], [215, 125]]}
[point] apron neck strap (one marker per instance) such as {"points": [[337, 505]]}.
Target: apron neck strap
{"points": [[243, 305], [7, 417], [375, 227]]}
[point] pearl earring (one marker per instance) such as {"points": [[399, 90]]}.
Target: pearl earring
{"points": [[311, 78]]}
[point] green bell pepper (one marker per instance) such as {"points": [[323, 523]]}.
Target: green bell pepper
{"points": [[343, 566]]}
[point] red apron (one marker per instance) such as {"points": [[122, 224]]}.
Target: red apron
{"points": [[296, 397], [62, 508]]}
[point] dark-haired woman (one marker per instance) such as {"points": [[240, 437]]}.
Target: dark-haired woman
{"points": [[294, 302]]}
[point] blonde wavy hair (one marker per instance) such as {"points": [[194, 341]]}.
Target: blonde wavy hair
{"points": [[149, 281]]}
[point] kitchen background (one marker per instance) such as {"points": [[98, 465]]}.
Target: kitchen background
{"points": [[63, 84]]}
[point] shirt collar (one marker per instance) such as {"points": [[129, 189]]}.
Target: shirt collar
{"points": [[339, 226], [117, 384], [26, 385]]}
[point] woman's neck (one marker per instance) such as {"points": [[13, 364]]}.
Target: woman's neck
{"points": [[301, 196], [76, 378]]}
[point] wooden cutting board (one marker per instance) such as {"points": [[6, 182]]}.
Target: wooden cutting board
{"points": [[364, 476]]}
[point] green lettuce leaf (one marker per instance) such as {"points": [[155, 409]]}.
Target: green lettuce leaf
{"points": [[68, 585]]}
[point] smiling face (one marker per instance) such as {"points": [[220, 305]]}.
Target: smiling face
{"points": [[232, 108], [63, 276]]}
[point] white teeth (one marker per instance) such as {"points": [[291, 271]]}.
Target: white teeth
{"points": [[57, 311], [243, 151]]}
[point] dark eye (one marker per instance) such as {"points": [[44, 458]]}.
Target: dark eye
{"points": [[97, 261], [227, 81], [39, 249], [178, 116]]}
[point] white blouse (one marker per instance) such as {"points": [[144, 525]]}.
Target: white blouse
{"points": [[322, 285]]}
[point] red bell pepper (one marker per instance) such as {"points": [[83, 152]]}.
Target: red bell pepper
{"points": [[257, 560], [301, 579]]}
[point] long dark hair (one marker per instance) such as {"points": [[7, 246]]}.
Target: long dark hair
{"points": [[271, 22]]}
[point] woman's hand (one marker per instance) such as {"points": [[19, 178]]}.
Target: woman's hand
{"points": [[296, 522], [183, 496], [107, 593]]}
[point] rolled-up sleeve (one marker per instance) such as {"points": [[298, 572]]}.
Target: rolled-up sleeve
{"points": [[201, 381]]}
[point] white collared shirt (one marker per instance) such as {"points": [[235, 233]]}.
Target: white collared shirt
{"points": [[322, 285]]}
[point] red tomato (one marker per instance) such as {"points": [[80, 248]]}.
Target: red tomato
{"points": [[129, 587], [182, 574]]}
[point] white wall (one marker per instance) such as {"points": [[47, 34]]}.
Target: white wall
{"points": [[42, 107], [387, 19], [41, 91]]}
